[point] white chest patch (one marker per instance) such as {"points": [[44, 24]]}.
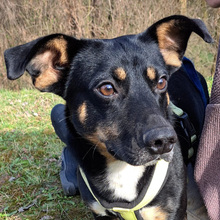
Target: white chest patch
{"points": [[123, 178]]}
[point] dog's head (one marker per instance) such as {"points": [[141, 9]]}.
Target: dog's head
{"points": [[115, 90]]}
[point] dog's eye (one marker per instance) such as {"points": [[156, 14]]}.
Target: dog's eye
{"points": [[107, 89], [162, 84]]}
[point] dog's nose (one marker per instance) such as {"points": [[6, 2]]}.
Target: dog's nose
{"points": [[160, 140]]}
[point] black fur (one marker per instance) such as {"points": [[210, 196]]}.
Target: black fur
{"points": [[117, 106]]}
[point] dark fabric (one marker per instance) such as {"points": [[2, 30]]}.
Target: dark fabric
{"points": [[59, 122], [68, 173], [193, 75], [191, 103]]}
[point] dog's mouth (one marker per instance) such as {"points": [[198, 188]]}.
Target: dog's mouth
{"points": [[140, 157]]}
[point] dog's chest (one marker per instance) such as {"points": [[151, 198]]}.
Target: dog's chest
{"points": [[123, 178]]}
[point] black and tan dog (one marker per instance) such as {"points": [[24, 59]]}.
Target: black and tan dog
{"points": [[117, 108]]}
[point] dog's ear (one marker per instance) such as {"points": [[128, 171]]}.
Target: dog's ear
{"points": [[46, 59], [172, 35]]}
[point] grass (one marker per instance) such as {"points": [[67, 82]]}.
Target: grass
{"points": [[30, 160]]}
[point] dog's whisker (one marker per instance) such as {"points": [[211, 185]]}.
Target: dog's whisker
{"points": [[94, 149], [87, 152]]}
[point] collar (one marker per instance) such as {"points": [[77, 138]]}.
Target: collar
{"points": [[157, 182]]}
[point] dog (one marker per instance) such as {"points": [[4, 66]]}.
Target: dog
{"points": [[118, 112]]}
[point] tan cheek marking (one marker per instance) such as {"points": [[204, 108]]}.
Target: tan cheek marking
{"points": [[82, 113], [108, 132], [95, 139], [108, 156], [151, 73], [120, 73], [153, 213], [168, 46]]}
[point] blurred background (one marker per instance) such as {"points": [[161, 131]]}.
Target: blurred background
{"points": [[25, 20]]}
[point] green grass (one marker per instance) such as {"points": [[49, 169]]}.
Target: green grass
{"points": [[209, 81], [30, 160]]}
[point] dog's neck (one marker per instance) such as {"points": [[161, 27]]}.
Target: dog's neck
{"points": [[123, 179], [122, 182]]}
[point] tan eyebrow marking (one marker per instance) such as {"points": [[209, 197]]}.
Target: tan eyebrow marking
{"points": [[120, 73], [151, 73]]}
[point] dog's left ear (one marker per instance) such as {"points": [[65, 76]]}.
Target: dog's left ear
{"points": [[46, 59], [172, 35]]}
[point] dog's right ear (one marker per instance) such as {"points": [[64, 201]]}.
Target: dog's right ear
{"points": [[46, 59], [171, 34]]}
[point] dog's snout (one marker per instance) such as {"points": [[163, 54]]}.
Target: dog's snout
{"points": [[160, 140]]}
